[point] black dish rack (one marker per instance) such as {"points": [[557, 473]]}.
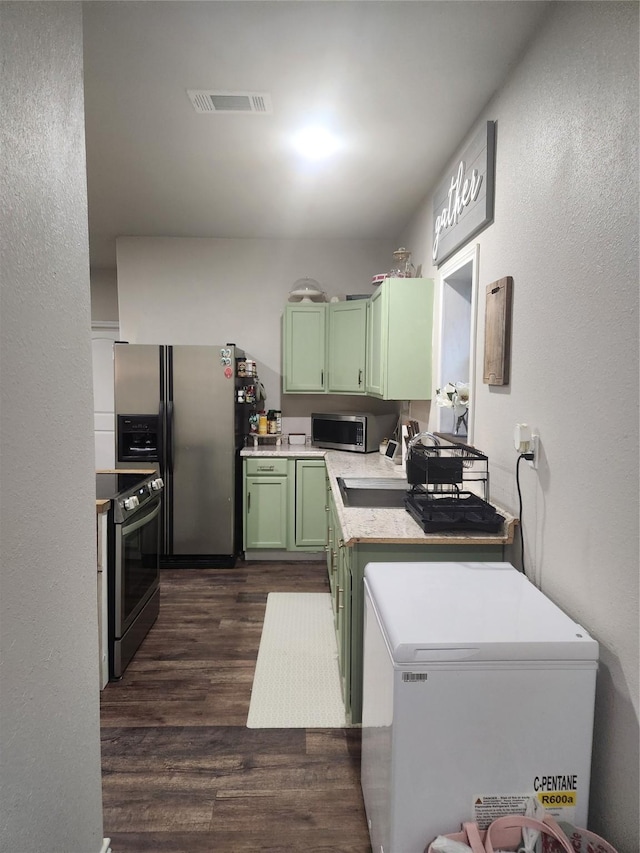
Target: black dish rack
{"points": [[441, 496], [464, 511]]}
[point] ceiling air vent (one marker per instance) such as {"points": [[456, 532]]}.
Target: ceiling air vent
{"points": [[211, 101]]}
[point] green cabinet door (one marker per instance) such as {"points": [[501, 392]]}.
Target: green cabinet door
{"points": [[303, 357], [344, 634], [311, 501], [375, 307], [358, 557], [332, 550], [399, 339], [346, 353], [265, 512]]}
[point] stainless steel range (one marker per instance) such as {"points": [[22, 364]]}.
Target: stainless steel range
{"points": [[133, 568]]}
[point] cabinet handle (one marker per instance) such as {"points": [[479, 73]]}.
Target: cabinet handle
{"points": [[266, 467], [322, 377], [333, 562], [360, 377], [340, 543], [248, 501], [329, 532], [340, 603]]}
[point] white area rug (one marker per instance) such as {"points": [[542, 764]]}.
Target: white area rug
{"points": [[297, 682]]}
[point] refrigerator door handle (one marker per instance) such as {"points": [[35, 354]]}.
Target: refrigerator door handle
{"points": [[169, 422], [162, 435]]}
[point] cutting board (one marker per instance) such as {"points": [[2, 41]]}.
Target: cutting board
{"points": [[497, 332]]}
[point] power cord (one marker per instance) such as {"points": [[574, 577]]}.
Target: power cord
{"points": [[529, 457]]}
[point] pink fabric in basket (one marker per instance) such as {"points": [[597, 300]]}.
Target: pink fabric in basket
{"points": [[505, 833], [581, 840]]}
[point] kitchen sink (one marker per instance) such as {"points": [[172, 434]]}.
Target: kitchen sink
{"points": [[382, 492]]}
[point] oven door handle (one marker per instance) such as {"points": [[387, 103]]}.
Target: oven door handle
{"points": [[140, 522]]}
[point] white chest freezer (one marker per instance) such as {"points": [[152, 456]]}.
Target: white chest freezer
{"points": [[478, 692]]}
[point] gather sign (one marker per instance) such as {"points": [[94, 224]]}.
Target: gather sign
{"points": [[463, 202]]}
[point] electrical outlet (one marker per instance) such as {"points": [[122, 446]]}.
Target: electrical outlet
{"points": [[522, 437], [534, 448]]}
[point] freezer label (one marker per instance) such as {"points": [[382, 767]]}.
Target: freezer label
{"points": [[553, 799], [487, 808], [556, 783], [556, 792]]}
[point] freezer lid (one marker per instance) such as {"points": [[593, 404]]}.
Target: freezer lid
{"points": [[446, 612]]}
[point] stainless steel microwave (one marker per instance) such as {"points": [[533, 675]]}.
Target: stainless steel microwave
{"points": [[361, 432]]}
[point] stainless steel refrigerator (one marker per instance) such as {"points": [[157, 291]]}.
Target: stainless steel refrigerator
{"points": [[176, 409]]}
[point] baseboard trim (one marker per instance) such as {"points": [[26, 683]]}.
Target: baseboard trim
{"points": [[284, 556]]}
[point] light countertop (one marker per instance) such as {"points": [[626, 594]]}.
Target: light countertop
{"points": [[289, 451], [380, 525]]}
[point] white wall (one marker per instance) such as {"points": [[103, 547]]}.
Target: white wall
{"points": [[104, 296], [566, 229], [50, 786], [176, 290]]}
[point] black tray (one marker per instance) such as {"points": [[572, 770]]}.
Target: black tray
{"points": [[464, 511]]}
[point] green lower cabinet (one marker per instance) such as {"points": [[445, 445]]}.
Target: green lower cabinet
{"points": [[310, 522], [333, 565], [285, 504], [332, 555], [344, 623], [356, 559], [266, 512]]}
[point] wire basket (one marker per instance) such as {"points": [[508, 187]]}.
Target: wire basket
{"points": [[448, 469]]}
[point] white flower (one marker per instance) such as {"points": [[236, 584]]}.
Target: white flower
{"points": [[462, 394], [444, 396], [453, 394]]}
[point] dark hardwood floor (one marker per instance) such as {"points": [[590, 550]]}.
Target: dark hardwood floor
{"points": [[181, 772]]}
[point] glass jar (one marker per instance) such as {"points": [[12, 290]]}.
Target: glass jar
{"points": [[402, 267]]}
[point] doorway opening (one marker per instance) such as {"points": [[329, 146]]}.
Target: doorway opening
{"points": [[456, 363], [103, 336]]}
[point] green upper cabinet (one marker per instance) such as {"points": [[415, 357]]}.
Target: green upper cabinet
{"points": [[379, 346], [304, 344], [346, 360], [324, 348], [374, 343], [399, 334]]}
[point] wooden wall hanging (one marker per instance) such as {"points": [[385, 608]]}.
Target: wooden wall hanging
{"points": [[497, 332]]}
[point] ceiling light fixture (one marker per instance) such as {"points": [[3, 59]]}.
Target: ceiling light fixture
{"points": [[316, 143]]}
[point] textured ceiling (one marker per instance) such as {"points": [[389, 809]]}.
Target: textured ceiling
{"points": [[401, 82]]}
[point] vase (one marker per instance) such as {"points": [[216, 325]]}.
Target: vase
{"points": [[460, 414]]}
